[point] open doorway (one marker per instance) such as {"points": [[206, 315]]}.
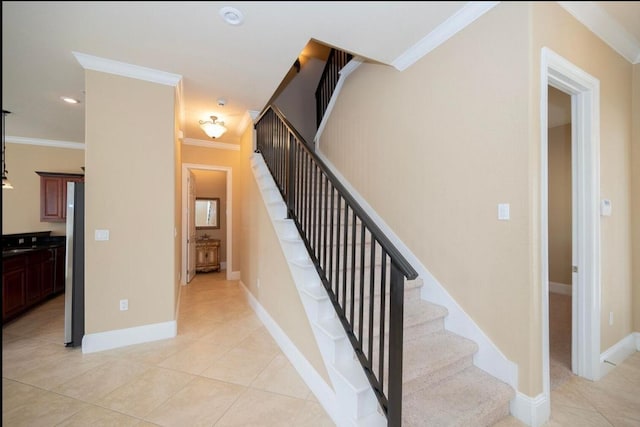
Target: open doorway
{"points": [[584, 91], [560, 236], [206, 182]]}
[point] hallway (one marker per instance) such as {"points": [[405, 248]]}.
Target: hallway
{"points": [[223, 369]]}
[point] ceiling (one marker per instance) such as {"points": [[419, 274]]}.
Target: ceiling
{"points": [[243, 64]]}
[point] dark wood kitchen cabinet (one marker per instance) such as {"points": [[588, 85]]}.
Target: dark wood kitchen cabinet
{"points": [[31, 278], [53, 195], [14, 286]]}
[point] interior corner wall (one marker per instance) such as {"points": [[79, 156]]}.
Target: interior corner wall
{"points": [[560, 242], [129, 191], [635, 195], [554, 28], [177, 208]]}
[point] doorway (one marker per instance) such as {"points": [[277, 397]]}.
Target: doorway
{"points": [[188, 171], [560, 237], [584, 91]]}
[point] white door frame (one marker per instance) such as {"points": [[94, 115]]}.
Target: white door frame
{"points": [[585, 146], [229, 213]]}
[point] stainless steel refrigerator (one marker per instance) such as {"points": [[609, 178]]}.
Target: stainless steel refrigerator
{"points": [[74, 273]]}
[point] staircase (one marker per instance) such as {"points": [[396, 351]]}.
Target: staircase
{"points": [[440, 384]]}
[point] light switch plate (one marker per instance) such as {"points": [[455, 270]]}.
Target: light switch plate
{"points": [[503, 211], [102, 234]]}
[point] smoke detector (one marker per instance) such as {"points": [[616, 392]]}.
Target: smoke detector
{"points": [[231, 15]]}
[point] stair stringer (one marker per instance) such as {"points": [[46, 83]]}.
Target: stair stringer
{"points": [[355, 398]]}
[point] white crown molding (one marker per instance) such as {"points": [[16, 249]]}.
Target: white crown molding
{"points": [[110, 66], [605, 27], [211, 144], [45, 142], [456, 23], [248, 118]]}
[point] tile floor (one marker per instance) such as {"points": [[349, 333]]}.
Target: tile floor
{"points": [[223, 369]]}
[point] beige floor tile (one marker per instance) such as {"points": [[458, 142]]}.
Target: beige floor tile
{"points": [[146, 392], [509, 421], [576, 417], [153, 352], [281, 377], [30, 406], [195, 358], [53, 373], [96, 383], [312, 414], [238, 366], [200, 403], [260, 408], [21, 356], [96, 416]]}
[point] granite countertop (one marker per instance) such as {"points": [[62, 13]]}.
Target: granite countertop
{"points": [[18, 244]]}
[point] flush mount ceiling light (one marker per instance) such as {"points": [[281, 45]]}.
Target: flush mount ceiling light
{"points": [[231, 15], [214, 128], [69, 100]]}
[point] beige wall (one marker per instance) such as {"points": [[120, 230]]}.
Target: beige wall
{"points": [[457, 146], [21, 206], [464, 137], [266, 274], [560, 245], [297, 101], [558, 30], [130, 191], [635, 196]]}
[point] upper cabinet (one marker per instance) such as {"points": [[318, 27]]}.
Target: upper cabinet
{"points": [[53, 195]]}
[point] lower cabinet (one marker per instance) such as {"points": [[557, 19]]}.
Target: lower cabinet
{"points": [[14, 286], [29, 279], [207, 255]]}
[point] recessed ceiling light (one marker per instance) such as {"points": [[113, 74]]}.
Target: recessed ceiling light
{"points": [[231, 15], [69, 100]]}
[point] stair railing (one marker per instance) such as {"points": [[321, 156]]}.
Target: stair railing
{"points": [[360, 268], [336, 60]]}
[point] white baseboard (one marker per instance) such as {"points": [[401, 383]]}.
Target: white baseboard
{"points": [[323, 392], [560, 288], [617, 353], [233, 275], [532, 411], [101, 341]]}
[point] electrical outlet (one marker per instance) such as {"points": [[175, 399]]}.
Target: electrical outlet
{"points": [[611, 318], [124, 304]]}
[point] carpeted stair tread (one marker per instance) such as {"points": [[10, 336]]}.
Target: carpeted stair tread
{"points": [[433, 357], [470, 398]]}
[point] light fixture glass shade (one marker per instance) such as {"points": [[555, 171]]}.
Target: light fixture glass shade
{"points": [[6, 185], [214, 128]]}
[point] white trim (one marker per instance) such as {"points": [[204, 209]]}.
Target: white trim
{"points": [[560, 288], [617, 353], [234, 275], [101, 341], [211, 144], [586, 287], [488, 357], [443, 32], [229, 213], [322, 391], [45, 142], [110, 66], [532, 411], [605, 27], [248, 119], [344, 73], [636, 336]]}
